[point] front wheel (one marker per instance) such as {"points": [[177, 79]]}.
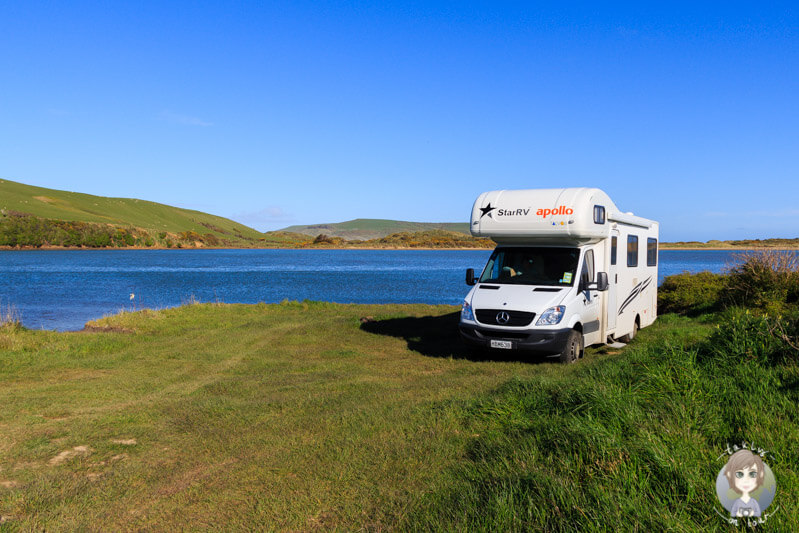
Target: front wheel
{"points": [[573, 349]]}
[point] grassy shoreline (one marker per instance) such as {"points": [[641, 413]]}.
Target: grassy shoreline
{"points": [[316, 416], [663, 246]]}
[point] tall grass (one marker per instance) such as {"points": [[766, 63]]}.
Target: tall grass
{"points": [[9, 316], [629, 443]]}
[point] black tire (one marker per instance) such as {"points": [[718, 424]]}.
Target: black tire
{"points": [[573, 349], [628, 338]]}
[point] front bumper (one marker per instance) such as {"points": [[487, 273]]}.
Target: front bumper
{"points": [[544, 341]]}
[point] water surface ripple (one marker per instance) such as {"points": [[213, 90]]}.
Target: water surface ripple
{"points": [[63, 289]]}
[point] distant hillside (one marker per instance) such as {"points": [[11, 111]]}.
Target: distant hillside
{"points": [[19, 202], [364, 229], [748, 244]]}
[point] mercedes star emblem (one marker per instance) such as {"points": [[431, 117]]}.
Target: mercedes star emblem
{"points": [[503, 317]]}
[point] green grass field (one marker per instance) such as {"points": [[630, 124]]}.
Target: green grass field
{"points": [[73, 206], [370, 228], [315, 416], [32, 217]]}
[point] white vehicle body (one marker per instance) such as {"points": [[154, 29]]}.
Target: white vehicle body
{"points": [[569, 270]]}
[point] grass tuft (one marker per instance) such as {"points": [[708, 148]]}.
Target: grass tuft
{"points": [[10, 318]]}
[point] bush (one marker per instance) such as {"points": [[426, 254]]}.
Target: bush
{"points": [[743, 335], [691, 294], [767, 280], [210, 239], [190, 236], [326, 239]]}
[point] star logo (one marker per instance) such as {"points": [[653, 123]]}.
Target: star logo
{"points": [[486, 210]]}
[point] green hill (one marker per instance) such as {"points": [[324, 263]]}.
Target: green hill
{"points": [[364, 229], [18, 200]]}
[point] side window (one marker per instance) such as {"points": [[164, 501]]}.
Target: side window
{"points": [[632, 250], [491, 271], [613, 247], [599, 214], [651, 252], [587, 273], [496, 268]]}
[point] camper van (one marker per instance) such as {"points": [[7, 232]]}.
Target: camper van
{"points": [[569, 270]]}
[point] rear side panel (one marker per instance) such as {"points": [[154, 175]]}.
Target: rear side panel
{"points": [[636, 297]]}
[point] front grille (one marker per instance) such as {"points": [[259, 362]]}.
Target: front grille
{"points": [[517, 318], [496, 334]]}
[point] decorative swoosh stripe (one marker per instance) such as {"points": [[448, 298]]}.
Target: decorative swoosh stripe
{"points": [[638, 289]]}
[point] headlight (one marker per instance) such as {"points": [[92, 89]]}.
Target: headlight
{"points": [[550, 317], [466, 311]]}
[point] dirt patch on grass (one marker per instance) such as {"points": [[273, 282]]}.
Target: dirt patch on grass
{"points": [[105, 329], [66, 455], [125, 442], [184, 480], [9, 484]]}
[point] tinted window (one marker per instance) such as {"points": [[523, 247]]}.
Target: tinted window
{"points": [[587, 273], [528, 265], [632, 250], [651, 252], [613, 246], [599, 214]]}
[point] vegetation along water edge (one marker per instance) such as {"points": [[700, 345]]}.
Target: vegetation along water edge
{"points": [[39, 218], [318, 416]]}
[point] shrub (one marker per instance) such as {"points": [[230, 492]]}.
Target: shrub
{"points": [[210, 239], [189, 236], [744, 335], [327, 239], [767, 280], [691, 294]]}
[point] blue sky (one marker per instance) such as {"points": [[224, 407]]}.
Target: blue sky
{"points": [[279, 113]]}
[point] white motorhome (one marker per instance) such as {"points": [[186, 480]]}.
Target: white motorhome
{"points": [[569, 270]]}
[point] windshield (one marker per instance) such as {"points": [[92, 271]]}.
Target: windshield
{"points": [[532, 266]]}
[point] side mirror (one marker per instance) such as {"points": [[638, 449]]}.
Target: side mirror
{"points": [[470, 276], [602, 283]]}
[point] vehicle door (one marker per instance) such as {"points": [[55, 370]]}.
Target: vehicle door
{"points": [[613, 280], [590, 300]]}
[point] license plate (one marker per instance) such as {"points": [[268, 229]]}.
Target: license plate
{"points": [[506, 345]]}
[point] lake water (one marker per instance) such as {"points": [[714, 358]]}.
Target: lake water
{"points": [[62, 290]]}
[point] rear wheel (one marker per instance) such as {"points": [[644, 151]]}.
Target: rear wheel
{"points": [[627, 338], [573, 349]]}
